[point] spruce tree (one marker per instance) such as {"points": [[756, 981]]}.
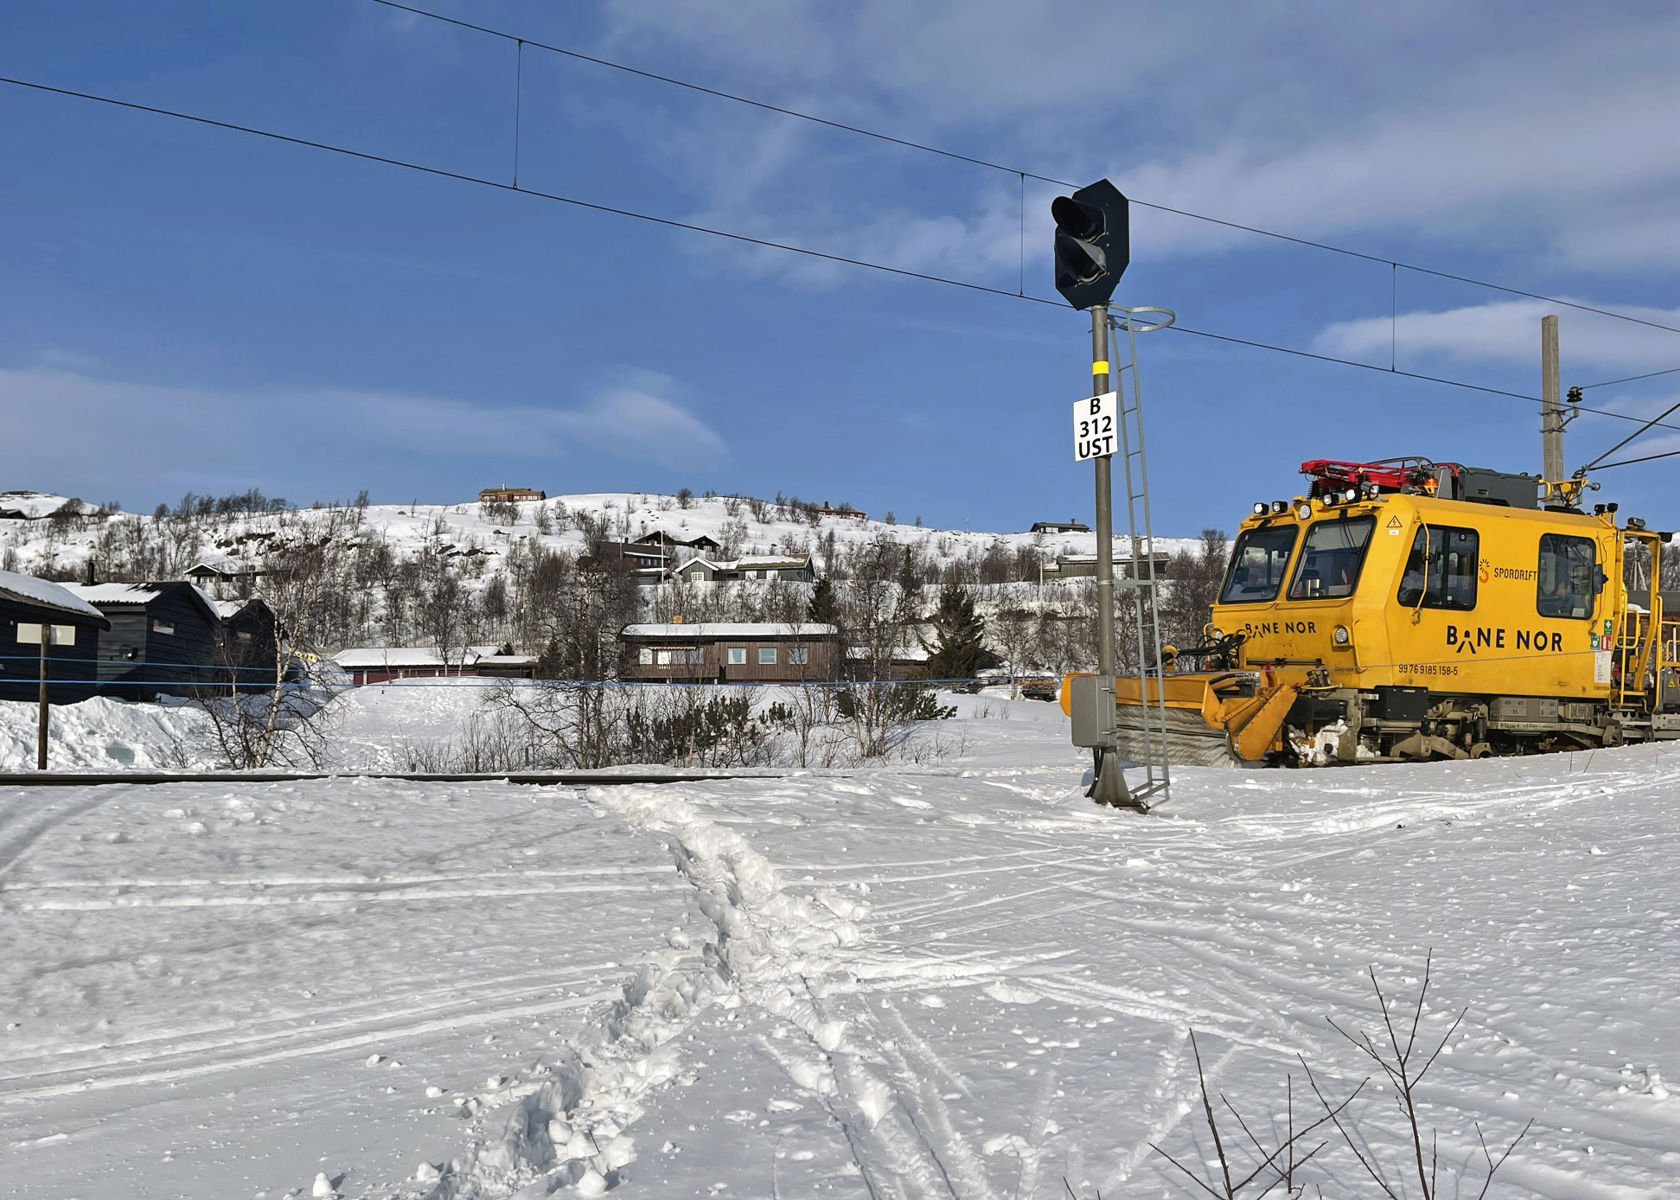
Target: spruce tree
{"points": [[958, 650], [823, 609]]}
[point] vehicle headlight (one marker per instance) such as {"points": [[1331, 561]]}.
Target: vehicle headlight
{"points": [[1303, 510], [1280, 506], [1261, 508], [1340, 635]]}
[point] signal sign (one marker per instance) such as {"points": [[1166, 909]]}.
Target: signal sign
{"points": [[1096, 423]]}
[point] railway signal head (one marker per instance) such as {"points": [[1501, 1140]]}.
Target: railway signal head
{"points": [[1093, 243]]}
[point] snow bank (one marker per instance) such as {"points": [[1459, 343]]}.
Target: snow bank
{"points": [[101, 734]]}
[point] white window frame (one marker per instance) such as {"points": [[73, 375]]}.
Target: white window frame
{"points": [[737, 656], [767, 656]]}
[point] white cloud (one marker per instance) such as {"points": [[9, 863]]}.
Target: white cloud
{"points": [[1440, 123], [982, 246], [637, 420], [129, 436], [1508, 331]]}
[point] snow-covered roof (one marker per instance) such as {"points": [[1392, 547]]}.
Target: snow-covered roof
{"points": [[1081, 559], [770, 560], [221, 566], [115, 593], [754, 562], [366, 657], [729, 629], [26, 589], [33, 505], [659, 536], [138, 595]]}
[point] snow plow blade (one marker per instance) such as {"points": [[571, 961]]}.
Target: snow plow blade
{"points": [[1218, 718]]}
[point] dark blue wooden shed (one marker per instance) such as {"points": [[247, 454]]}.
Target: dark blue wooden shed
{"points": [[163, 638], [26, 605]]}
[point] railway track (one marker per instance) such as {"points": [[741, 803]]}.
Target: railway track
{"points": [[540, 778]]}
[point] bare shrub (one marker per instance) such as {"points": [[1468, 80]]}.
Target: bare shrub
{"points": [[1251, 1165]]}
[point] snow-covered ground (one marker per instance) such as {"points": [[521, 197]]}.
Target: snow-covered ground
{"points": [[957, 978]]}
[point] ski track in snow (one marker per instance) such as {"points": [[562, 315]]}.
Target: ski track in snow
{"points": [[186, 1053], [777, 951], [27, 816], [883, 1084], [971, 984]]}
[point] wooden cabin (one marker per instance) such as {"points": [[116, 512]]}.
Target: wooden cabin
{"points": [[247, 646], [163, 638], [510, 495], [27, 605]]}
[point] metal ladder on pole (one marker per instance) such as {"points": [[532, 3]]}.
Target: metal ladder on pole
{"points": [[1143, 585]]}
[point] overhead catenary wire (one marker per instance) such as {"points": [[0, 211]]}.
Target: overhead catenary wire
{"points": [[1628, 462], [1630, 378], [741, 238], [926, 148], [1599, 461]]}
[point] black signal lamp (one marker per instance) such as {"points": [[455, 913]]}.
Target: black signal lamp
{"points": [[1093, 243]]}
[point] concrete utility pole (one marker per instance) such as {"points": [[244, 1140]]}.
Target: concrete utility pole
{"points": [[1551, 408], [1109, 785]]}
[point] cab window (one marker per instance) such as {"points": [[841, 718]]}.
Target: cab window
{"points": [[1441, 569], [1257, 564], [1567, 576], [1331, 558]]}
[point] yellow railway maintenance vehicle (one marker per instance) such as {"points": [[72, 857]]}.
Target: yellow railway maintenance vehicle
{"points": [[1408, 609]]}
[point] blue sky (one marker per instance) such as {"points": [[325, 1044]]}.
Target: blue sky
{"points": [[184, 308]]}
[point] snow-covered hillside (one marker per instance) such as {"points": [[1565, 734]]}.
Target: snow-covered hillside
{"points": [[735, 523], [501, 574], [957, 979]]}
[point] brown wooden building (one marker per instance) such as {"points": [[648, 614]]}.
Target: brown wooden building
{"points": [[510, 495], [733, 652]]}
